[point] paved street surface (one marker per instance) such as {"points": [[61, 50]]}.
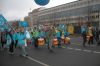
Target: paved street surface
{"points": [[71, 55]]}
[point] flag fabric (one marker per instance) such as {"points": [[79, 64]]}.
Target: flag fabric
{"points": [[2, 20], [3, 23], [23, 24]]}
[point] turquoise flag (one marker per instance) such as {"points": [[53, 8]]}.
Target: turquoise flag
{"points": [[23, 24], [3, 23], [2, 20]]}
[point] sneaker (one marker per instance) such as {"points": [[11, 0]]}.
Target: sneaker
{"points": [[11, 53], [26, 54], [63, 47], [51, 50], [23, 55]]}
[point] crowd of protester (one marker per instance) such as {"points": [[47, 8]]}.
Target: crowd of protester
{"points": [[52, 36]]}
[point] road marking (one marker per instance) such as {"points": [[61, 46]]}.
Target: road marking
{"points": [[79, 44], [87, 50], [76, 44], [78, 49], [69, 48], [83, 50], [32, 59], [96, 52]]}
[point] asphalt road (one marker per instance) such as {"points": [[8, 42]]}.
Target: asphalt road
{"points": [[71, 55]]}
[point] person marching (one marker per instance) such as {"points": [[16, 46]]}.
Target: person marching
{"points": [[11, 38], [49, 37], [3, 39], [16, 37], [58, 36], [21, 42], [0, 40], [96, 34], [66, 34], [90, 33], [35, 36], [84, 35]]}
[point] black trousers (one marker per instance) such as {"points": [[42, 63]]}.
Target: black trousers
{"points": [[36, 42], [11, 47], [3, 43], [84, 40], [90, 40], [16, 43]]}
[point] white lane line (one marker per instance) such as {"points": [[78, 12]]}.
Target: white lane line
{"points": [[32, 59], [76, 44], [69, 48], [87, 50], [96, 52], [78, 49]]}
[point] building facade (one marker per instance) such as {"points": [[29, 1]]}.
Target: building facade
{"points": [[34, 15], [76, 13], [27, 18]]}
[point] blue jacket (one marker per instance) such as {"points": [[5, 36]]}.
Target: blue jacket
{"points": [[8, 38], [58, 34], [42, 34], [21, 39], [66, 34]]}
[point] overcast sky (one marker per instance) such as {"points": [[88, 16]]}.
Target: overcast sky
{"points": [[18, 9]]}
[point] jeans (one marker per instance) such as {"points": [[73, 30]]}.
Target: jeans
{"points": [[23, 50], [49, 43]]}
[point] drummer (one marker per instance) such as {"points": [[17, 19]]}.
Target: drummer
{"points": [[49, 37]]}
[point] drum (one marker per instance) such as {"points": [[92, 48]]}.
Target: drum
{"points": [[41, 41], [55, 41], [67, 40]]}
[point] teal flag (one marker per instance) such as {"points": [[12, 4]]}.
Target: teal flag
{"points": [[3, 23], [23, 24]]}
